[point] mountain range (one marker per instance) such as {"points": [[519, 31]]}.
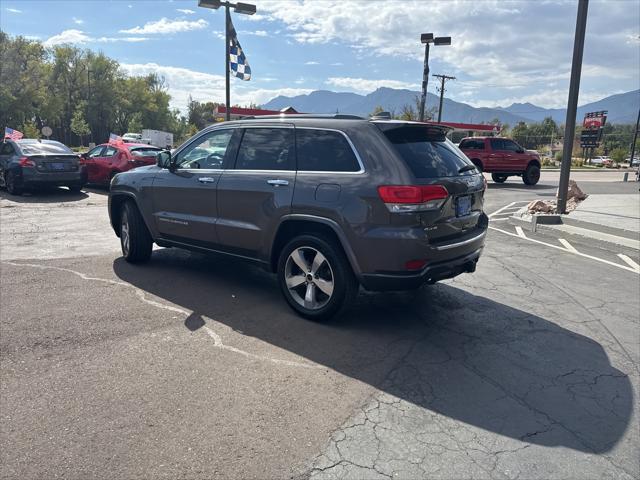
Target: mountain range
{"points": [[623, 107]]}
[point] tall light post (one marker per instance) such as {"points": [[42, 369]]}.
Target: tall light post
{"points": [[245, 8], [428, 39]]}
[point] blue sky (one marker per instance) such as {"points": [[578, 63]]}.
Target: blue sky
{"points": [[502, 51]]}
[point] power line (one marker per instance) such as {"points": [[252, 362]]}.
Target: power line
{"points": [[443, 78]]}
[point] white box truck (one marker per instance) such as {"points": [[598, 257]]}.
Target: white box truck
{"points": [[157, 138]]}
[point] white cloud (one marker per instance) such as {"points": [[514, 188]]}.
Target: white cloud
{"points": [[206, 87], [80, 37], [167, 26], [493, 42], [257, 33], [186, 11], [77, 21], [13, 10], [363, 85], [312, 62]]}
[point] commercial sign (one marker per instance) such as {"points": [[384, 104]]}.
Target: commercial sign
{"points": [[592, 129]]}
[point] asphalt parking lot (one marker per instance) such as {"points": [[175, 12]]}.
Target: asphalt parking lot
{"points": [[194, 367]]}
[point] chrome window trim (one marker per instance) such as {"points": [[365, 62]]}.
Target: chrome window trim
{"points": [[327, 172]]}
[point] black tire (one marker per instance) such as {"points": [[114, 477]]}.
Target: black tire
{"points": [[336, 270], [75, 188], [531, 175], [135, 239], [478, 164], [496, 177], [13, 184]]}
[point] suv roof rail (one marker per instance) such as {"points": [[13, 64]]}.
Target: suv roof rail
{"points": [[340, 116]]}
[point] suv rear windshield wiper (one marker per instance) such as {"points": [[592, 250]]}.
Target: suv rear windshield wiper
{"points": [[466, 168]]}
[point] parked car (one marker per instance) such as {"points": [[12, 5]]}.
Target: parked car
{"points": [[502, 158], [105, 161], [634, 163], [325, 202], [32, 163], [601, 160]]}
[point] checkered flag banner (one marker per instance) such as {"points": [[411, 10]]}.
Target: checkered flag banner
{"points": [[238, 64]]}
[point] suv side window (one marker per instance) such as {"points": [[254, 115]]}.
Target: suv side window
{"points": [[511, 145], [266, 149], [207, 152], [324, 151], [472, 144], [497, 143]]}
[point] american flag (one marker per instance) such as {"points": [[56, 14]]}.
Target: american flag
{"points": [[238, 64], [12, 134], [115, 139]]}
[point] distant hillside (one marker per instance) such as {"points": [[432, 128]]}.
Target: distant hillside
{"points": [[623, 108]]}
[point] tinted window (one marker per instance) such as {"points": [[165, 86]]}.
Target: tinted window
{"points": [[44, 148], [266, 149], [324, 151], [207, 152], [511, 145], [472, 144], [497, 144], [427, 152]]}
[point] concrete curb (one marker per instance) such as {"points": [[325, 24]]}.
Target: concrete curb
{"points": [[557, 226]]}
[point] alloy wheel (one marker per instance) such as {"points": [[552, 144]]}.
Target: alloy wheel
{"points": [[309, 278]]}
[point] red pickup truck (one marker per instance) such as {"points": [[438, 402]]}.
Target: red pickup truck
{"points": [[502, 158]]}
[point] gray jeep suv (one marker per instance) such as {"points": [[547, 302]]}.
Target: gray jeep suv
{"points": [[327, 202]]}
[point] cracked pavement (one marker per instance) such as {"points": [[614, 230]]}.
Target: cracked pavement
{"points": [[193, 367]]}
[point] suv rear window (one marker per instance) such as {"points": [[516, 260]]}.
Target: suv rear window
{"points": [[324, 151], [472, 144], [427, 152]]}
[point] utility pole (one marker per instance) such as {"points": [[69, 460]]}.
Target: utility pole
{"points": [[572, 105], [443, 78], [633, 147]]}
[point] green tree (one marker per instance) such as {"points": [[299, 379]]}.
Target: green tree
{"points": [[29, 130], [135, 123], [79, 125], [618, 155], [378, 109]]}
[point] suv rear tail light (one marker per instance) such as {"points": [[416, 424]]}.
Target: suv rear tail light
{"points": [[26, 162], [412, 198]]}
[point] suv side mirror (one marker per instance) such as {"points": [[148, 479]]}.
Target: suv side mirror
{"points": [[520, 150], [164, 160]]}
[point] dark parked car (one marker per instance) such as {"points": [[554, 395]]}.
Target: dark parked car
{"points": [[31, 163], [106, 160], [327, 203]]}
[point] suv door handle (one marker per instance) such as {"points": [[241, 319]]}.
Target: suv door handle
{"points": [[278, 183], [206, 179]]}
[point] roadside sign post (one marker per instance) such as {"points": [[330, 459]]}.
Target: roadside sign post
{"points": [[572, 106]]}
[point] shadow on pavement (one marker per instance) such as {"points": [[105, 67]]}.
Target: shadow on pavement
{"points": [[464, 356], [520, 186], [45, 195]]}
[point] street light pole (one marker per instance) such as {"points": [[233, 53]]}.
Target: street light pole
{"points": [[572, 106], [633, 147], [427, 39], [245, 8], [425, 79]]}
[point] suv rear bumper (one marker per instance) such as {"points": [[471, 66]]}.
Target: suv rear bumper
{"points": [[430, 274]]}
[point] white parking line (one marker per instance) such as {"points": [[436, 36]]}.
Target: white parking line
{"points": [[557, 247], [500, 210], [567, 245], [521, 232], [630, 262]]}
